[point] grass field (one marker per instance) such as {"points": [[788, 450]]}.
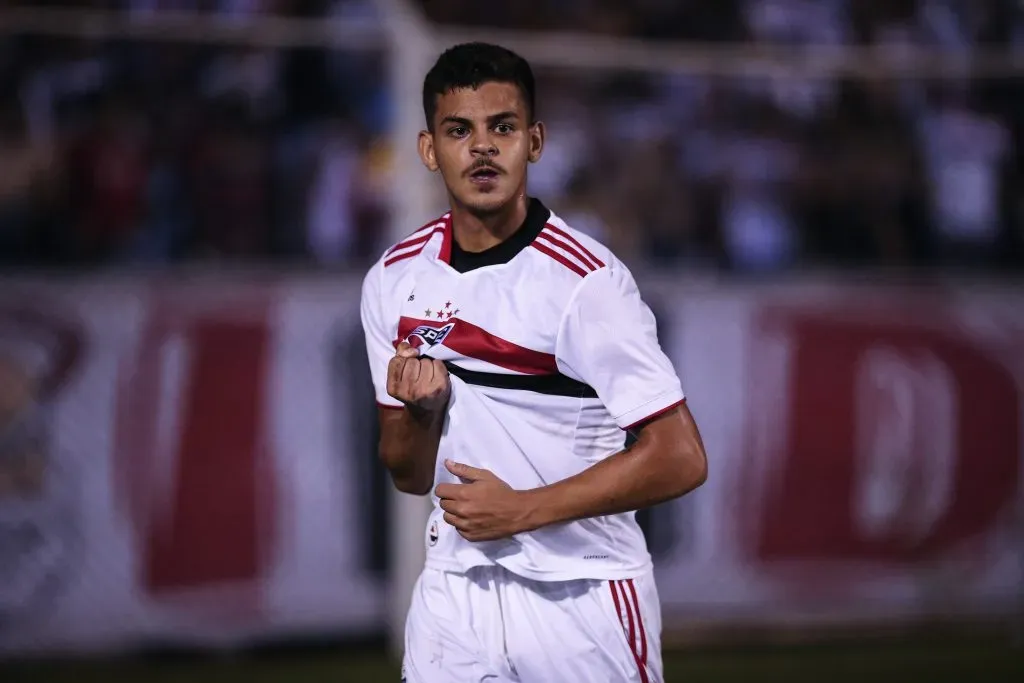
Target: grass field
{"points": [[903, 662]]}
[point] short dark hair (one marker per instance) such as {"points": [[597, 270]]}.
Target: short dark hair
{"points": [[470, 65]]}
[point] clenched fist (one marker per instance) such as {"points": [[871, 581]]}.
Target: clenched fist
{"points": [[418, 382]]}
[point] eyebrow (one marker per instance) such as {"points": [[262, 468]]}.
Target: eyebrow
{"points": [[502, 116], [456, 119], [493, 119]]}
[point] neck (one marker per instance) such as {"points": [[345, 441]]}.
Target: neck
{"points": [[475, 231]]}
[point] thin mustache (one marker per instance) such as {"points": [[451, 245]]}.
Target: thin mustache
{"points": [[490, 166]]}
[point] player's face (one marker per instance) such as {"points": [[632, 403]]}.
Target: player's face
{"points": [[481, 143]]}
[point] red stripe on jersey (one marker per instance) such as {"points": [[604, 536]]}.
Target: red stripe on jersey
{"points": [[420, 242], [561, 259], [446, 244], [385, 406], [401, 257], [563, 233], [654, 415], [411, 242], [416, 237], [565, 246], [475, 342]]}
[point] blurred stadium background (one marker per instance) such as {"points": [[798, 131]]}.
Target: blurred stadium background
{"points": [[823, 200]]}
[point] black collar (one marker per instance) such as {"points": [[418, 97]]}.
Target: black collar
{"points": [[536, 218]]}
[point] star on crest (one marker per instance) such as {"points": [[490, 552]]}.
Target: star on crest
{"points": [[447, 312]]}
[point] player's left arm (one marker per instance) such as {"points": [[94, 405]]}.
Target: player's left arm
{"points": [[667, 461], [608, 339]]}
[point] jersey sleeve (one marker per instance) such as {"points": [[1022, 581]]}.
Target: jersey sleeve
{"points": [[608, 339], [379, 335]]}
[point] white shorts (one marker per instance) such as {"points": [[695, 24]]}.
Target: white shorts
{"points": [[491, 625]]}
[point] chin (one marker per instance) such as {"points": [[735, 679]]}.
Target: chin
{"points": [[483, 204]]}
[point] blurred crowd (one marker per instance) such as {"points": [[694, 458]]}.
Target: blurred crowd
{"points": [[951, 23], [139, 152], [121, 152]]}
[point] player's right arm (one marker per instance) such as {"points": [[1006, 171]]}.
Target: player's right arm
{"points": [[410, 435], [412, 394]]}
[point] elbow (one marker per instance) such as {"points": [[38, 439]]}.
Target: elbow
{"points": [[406, 479], [674, 443], [689, 468], [411, 486]]}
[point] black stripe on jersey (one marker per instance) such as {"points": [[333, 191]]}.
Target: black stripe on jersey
{"points": [[552, 385]]}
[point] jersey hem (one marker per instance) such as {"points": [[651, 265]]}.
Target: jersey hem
{"points": [[453, 565], [596, 574]]}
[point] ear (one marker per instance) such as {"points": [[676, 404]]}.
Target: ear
{"points": [[425, 144], [537, 133]]}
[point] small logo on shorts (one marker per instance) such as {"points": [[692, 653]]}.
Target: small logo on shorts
{"points": [[433, 533]]}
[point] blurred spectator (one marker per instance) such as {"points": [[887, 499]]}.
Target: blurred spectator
{"points": [[109, 168], [28, 181], [964, 151], [333, 231], [229, 172], [758, 229]]}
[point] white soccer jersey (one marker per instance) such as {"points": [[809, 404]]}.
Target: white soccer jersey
{"points": [[552, 354]]}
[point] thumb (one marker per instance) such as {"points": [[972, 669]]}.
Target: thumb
{"points": [[407, 350], [466, 472]]}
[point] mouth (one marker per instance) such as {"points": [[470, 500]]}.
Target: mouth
{"points": [[484, 175]]}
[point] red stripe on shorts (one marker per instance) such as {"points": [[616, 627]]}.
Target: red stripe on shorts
{"points": [[640, 624], [629, 629]]}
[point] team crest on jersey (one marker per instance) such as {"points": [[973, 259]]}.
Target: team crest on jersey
{"points": [[426, 335]]}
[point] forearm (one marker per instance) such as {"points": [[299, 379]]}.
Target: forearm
{"points": [[408, 448], [632, 479]]}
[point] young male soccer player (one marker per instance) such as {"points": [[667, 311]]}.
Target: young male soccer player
{"points": [[509, 352]]}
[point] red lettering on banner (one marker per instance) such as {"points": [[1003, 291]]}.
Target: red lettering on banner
{"points": [[193, 452], [895, 443]]}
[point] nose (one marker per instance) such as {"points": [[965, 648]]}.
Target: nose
{"points": [[483, 145]]}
